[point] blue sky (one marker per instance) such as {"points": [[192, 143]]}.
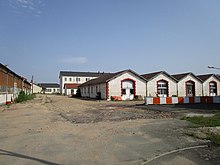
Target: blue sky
{"points": [[43, 37]]}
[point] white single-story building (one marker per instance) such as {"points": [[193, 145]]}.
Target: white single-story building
{"points": [[50, 88], [36, 88], [188, 85], [211, 84], [124, 84], [160, 84]]}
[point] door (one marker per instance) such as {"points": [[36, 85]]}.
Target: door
{"points": [[127, 90], [190, 88]]}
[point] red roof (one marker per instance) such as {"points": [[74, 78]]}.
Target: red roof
{"points": [[71, 86]]}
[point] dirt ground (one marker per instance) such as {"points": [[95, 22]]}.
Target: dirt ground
{"points": [[57, 130]]}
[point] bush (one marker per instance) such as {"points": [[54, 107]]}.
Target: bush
{"points": [[24, 97], [78, 93], [138, 98], [98, 96]]}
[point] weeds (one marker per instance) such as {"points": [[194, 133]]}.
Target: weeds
{"points": [[204, 121], [24, 97], [200, 121], [215, 138]]}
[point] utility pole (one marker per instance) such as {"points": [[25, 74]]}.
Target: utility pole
{"points": [[6, 65], [32, 84]]}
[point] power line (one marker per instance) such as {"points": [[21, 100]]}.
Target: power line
{"points": [[212, 67]]}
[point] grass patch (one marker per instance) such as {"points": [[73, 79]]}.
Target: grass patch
{"points": [[204, 121], [24, 97], [215, 138], [200, 121]]}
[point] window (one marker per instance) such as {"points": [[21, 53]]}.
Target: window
{"points": [[54, 90], [96, 89], [213, 88], [2, 89], [88, 90], [123, 91], [70, 79], [77, 79], [87, 79], [162, 88], [132, 91], [65, 79], [48, 90]]}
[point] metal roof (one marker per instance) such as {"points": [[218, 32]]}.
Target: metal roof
{"points": [[49, 85], [107, 77], [150, 76], [207, 76], [182, 75], [81, 74]]}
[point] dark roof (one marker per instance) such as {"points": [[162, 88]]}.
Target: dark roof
{"points": [[182, 75], [99, 80], [107, 77], [81, 74], [149, 76], [49, 85], [154, 74], [207, 76], [13, 73], [10, 71]]}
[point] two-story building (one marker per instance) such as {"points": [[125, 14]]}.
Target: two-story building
{"points": [[69, 81]]}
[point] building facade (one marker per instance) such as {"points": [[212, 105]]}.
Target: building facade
{"points": [[160, 84], [36, 88], [211, 84], [69, 81], [11, 84], [124, 85], [50, 88], [188, 85]]}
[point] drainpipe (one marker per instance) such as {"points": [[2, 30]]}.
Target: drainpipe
{"points": [[7, 88], [146, 89], [202, 90], [177, 90]]}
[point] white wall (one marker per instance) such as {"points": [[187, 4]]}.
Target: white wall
{"points": [[93, 92], [182, 86], [69, 91], [206, 86], [36, 89], [52, 90], [73, 80], [3, 98], [115, 85], [152, 85]]}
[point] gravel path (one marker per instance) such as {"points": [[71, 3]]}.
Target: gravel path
{"points": [[56, 130]]}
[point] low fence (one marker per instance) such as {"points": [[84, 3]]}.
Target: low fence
{"points": [[182, 100], [6, 98]]}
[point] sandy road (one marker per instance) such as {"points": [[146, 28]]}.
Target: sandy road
{"points": [[60, 130]]}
